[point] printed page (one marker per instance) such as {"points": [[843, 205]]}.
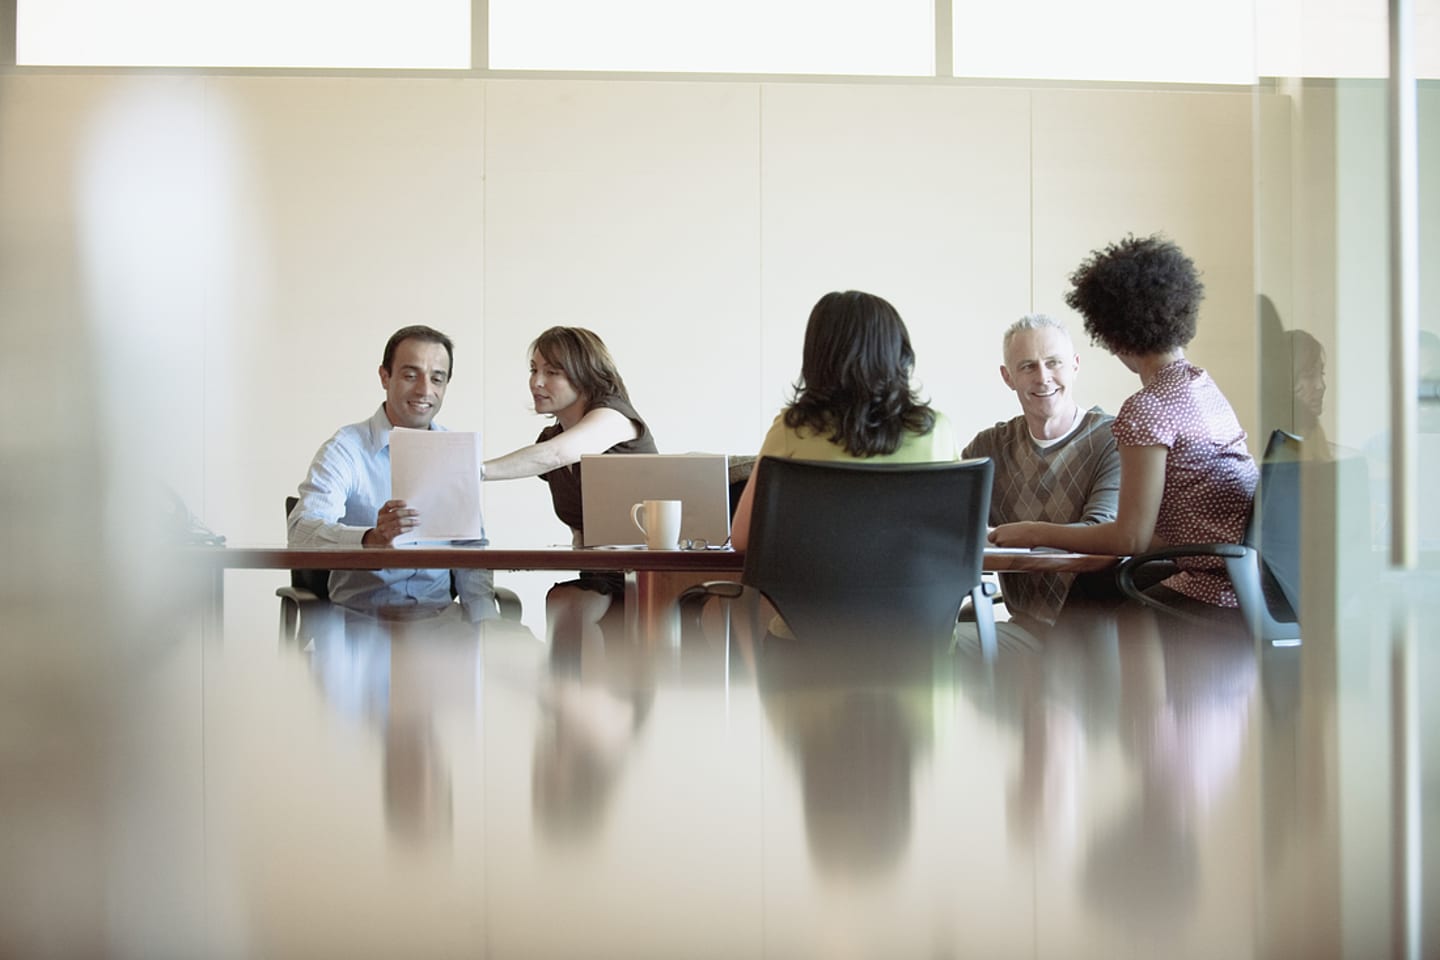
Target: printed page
{"points": [[437, 473]]}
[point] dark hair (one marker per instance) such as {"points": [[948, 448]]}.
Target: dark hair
{"points": [[854, 384], [418, 332], [586, 362], [1138, 296]]}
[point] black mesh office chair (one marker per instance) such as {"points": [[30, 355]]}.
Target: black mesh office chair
{"points": [[313, 586], [867, 551], [1265, 567]]}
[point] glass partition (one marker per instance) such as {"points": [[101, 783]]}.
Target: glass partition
{"points": [[1323, 315]]}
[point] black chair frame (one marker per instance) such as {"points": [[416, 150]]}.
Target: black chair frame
{"points": [[855, 549], [1263, 567], [313, 586]]}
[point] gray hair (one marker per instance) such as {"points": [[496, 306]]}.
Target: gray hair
{"points": [[1031, 321]]}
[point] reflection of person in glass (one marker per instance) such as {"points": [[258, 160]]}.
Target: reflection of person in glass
{"points": [[1429, 382], [1307, 380]]}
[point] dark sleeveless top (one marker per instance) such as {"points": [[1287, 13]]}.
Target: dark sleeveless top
{"points": [[565, 482]]}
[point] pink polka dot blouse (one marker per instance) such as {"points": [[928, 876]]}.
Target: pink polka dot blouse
{"points": [[1210, 476]]}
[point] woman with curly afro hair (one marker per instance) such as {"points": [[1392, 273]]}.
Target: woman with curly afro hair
{"points": [[1185, 473], [853, 400]]}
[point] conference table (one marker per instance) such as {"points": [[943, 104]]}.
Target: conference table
{"points": [[425, 790], [653, 578]]}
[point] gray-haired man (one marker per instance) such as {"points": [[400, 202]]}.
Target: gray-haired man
{"points": [[1055, 462]]}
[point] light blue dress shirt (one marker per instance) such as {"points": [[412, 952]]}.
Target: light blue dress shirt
{"points": [[348, 483]]}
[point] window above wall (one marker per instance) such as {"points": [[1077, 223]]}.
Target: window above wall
{"points": [[845, 37], [350, 34], [1158, 41], [1147, 41]]}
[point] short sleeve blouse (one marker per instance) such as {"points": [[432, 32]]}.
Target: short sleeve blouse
{"points": [[936, 446], [1210, 476]]}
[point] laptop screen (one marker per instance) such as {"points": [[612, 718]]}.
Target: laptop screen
{"points": [[612, 483]]}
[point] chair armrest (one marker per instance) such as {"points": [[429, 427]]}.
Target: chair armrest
{"points": [[1222, 550], [692, 600], [296, 594], [989, 590], [1240, 566], [695, 596], [1125, 573], [508, 603]]}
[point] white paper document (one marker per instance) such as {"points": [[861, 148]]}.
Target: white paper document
{"points": [[437, 473]]}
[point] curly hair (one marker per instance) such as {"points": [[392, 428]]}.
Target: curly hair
{"points": [[586, 361], [1138, 296], [854, 385]]}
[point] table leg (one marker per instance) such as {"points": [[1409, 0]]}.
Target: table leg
{"points": [[652, 613]]}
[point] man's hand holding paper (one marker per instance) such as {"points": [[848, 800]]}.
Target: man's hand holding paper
{"points": [[437, 475]]}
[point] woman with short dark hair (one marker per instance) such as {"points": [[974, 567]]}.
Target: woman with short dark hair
{"points": [[853, 400], [1185, 473]]}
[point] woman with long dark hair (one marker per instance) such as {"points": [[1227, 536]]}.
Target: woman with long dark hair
{"points": [[854, 400]]}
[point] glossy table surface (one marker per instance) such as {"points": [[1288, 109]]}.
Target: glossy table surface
{"points": [[1123, 787], [562, 558]]}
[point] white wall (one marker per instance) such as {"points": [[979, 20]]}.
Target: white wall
{"points": [[250, 242]]}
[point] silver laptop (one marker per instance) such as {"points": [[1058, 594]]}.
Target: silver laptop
{"points": [[611, 483]]}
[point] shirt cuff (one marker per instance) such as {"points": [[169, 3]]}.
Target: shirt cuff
{"points": [[350, 536]]}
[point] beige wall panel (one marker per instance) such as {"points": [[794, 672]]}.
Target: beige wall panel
{"points": [[1178, 163], [107, 263], [43, 297], [631, 209], [273, 231], [106, 266], [917, 194], [367, 201]]}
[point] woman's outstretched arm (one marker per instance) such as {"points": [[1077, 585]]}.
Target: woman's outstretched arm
{"points": [[596, 432]]}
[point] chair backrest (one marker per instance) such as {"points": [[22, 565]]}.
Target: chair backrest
{"points": [[1275, 525], [850, 549], [316, 581]]}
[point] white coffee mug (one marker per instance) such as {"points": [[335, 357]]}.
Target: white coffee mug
{"points": [[659, 520]]}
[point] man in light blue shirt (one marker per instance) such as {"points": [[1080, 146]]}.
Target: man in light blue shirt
{"points": [[345, 498]]}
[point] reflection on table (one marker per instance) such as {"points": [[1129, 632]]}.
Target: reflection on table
{"points": [[431, 787]]}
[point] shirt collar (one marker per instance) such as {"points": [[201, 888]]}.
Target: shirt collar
{"points": [[379, 430]]}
